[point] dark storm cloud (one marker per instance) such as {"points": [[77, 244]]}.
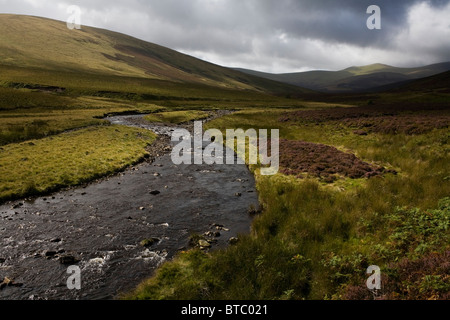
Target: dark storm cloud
{"points": [[272, 35], [338, 21], [277, 29], [341, 21]]}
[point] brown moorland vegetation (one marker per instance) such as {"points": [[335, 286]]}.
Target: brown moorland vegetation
{"points": [[387, 119], [407, 124], [322, 161], [422, 279], [325, 115]]}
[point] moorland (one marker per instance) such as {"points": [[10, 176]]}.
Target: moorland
{"points": [[364, 176]]}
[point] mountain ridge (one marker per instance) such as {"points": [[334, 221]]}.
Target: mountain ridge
{"points": [[354, 79], [35, 42]]}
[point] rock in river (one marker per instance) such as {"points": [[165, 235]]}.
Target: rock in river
{"points": [[204, 244], [68, 259], [149, 242]]}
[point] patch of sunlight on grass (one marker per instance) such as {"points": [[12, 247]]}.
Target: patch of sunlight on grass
{"points": [[39, 166]]}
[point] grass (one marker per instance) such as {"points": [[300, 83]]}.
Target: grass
{"points": [[315, 240], [29, 114], [126, 90], [177, 117], [416, 244], [16, 127], [310, 235], [32, 116], [40, 166]]}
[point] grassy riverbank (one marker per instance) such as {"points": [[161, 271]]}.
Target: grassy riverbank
{"points": [[40, 166], [52, 134], [364, 179], [315, 240]]}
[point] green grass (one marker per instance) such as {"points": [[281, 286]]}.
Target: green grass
{"points": [[17, 127], [125, 88], [315, 241], [40, 123], [29, 114], [312, 241], [40, 166], [177, 117], [43, 118]]}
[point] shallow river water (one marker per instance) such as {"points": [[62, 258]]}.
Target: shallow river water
{"points": [[101, 225]]}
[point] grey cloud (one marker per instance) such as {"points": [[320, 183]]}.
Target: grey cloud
{"points": [[271, 35]]}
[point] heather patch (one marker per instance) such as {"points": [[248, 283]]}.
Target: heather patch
{"points": [[364, 120], [325, 162], [407, 124]]}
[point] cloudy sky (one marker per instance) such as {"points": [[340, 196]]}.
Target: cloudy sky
{"points": [[271, 35]]}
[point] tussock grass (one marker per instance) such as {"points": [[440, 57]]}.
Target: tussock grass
{"points": [[17, 127], [315, 240], [312, 241], [33, 115], [13, 99], [41, 166]]}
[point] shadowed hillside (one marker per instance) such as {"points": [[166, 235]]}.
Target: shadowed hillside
{"points": [[354, 79]]}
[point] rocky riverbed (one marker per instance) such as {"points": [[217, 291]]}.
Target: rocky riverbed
{"points": [[120, 229]]}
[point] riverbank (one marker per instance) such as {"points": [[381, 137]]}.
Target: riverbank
{"points": [[118, 231], [316, 238], [39, 167]]}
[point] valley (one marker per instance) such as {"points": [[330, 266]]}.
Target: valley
{"points": [[85, 172]]}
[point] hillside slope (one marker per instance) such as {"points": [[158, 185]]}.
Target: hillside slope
{"points": [[439, 83], [353, 79], [36, 42]]}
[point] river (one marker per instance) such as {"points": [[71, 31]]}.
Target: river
{"points": [[101, 225]]}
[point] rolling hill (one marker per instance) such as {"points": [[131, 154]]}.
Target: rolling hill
{"points": [[354, 79], [439, 83], [34, 42]]}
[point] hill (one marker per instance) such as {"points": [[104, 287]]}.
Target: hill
{"points": [[439, 83], [34, 42], [354, 79]]}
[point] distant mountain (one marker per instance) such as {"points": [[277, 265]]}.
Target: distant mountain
{"points": [[354, 79], [42, 43], [439, 83]]}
